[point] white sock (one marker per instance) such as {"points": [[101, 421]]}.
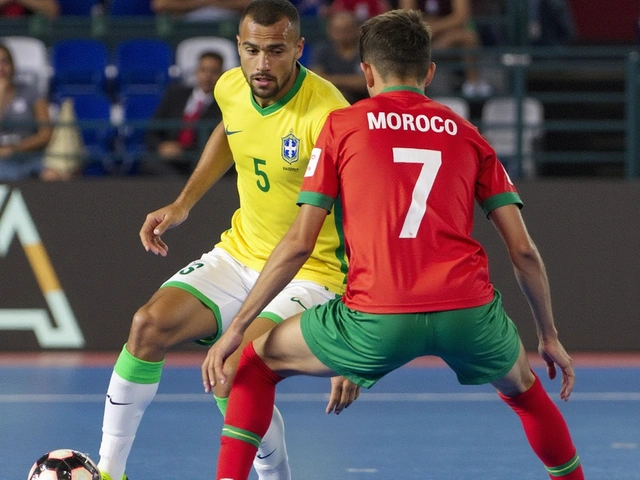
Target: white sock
{"points": [[272, 462], [125, 404]]}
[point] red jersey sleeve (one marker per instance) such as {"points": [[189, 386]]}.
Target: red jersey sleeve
{"points": [[494, 187], [321, 185]]}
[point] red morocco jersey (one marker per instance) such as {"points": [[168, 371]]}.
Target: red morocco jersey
{"points": [[408, 171]]}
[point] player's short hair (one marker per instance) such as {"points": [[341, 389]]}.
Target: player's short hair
{"points": [[397, 43], [268, 12]]}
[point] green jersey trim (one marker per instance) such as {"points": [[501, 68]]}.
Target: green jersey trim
{"points": [[398, 88], [302, 74], [340, 255], [325, 201], [501, 200], [316, 199]]}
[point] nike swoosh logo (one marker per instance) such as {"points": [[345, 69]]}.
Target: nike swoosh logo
{"points": [[230, 132], [267, 455], [115, 403], [299, 301]]}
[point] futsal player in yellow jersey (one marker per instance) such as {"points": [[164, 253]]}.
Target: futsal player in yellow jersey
{"points": [[273, 110], [271, 147]]}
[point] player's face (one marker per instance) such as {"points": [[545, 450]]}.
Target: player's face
{"points": [[343, 29], [268, 58], [6, 68], [208, 73]]}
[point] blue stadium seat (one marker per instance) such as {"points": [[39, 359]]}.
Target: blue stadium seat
{"points": [[93, 113], [77, 7], [137, 108], [143, 66], [130, 7], [78, 66]]}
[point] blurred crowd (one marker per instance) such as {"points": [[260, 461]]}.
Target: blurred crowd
{"points": [[456, 34]]}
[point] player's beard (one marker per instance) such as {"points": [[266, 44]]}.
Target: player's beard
{"points": [[267, 92]]}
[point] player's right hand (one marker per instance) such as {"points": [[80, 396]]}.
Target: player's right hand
{"points": [[343, 393], [213, 365], [157, 223]]}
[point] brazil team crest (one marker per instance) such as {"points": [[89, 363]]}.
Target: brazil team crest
{"points": [[290, 148]]}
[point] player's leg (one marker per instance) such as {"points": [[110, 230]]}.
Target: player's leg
{"points": [[171, 317], [325, 341], [482, 345], [189, 306], [271, 461], [543, 423], [283, 350]]}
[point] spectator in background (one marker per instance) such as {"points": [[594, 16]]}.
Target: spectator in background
{"points": [[201, 10], [311, 8], [551, 22], [21, 8], [338, 59], [24, 124], [362, 9], [452, 26], [190, 103]]}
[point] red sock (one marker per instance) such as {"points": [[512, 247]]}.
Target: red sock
{"points": [[248, 415], [547, 432]]}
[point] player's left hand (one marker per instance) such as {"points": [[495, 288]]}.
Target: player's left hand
{"points": [[343, 393], [553, 353], [212, 367]]}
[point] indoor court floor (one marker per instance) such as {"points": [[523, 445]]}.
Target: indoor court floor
{"points": [[416, 423]]}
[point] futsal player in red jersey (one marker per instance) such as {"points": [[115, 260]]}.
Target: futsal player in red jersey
{"points": [[407, 172]]}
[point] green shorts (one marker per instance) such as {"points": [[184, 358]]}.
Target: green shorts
{"points": [[480, 344]]}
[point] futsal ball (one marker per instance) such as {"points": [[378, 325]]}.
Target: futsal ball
{"points": [[64, 464]]}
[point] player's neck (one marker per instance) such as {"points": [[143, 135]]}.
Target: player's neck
{"points": [[396, 85]]}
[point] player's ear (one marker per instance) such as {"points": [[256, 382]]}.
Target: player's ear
{"points": [[430, 73], [299, 48], [368, 73]]}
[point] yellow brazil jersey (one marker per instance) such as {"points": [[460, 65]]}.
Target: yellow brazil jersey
{"points": [[271, 147]]}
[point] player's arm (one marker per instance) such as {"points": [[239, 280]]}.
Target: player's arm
{"points": [[284, 262], [215, 160], [532, 277]]}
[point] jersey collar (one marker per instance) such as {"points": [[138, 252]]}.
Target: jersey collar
{"points": [[302, 73], [397, 88]]}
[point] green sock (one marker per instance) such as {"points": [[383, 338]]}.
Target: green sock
{"points": [[222, 404], [137, 371]]}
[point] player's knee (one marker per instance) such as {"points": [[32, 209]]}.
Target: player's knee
{"points": [[148, 329], [223, 390], [517, 381]]}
